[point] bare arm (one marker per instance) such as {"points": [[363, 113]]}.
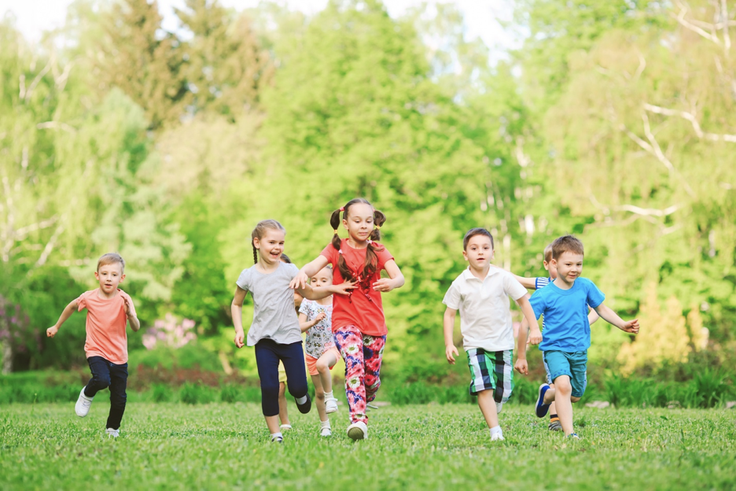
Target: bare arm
{"points": [[448, 324], [528, 283], [521, 365], [612, 317], [526, 309], [309, 269], [395, 278], [325, 291], [593, 316], [236, 309], [135, 324], [65, 314], [305, 325]]}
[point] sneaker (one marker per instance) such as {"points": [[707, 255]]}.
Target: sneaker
{"points": [[285, 427], [358, 431], [112, 433], [497, 436], [499, 407], [325, 431], [83, 404], [306, 407], [542, 408], [574, 436], [331, 405], [555, 425], [277, 439]]}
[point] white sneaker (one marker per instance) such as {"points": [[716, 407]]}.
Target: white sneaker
{"points": [[325, 431], [112, 433], [499, 407], [331, 405], [284, 427], [497, 436], [83, 404], [358, 431]]}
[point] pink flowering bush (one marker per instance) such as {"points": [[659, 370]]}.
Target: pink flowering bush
{"points": [[169, 333]]}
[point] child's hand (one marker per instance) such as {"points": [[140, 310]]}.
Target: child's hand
{"points": [[631, 327], [129, 307], [51, 331], [383, 285], [449, 351], [522, 366], [319, 317], [535, 336], [344, 288], [299, 281], [239, 339]]}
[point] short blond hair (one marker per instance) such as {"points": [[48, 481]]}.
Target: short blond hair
{"points": [[111, 258]]}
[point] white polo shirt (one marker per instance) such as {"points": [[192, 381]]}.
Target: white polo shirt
{"points": [[485, 316]]}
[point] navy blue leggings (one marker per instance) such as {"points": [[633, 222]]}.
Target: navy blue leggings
{"points": [[107, 374], [268, 354]]}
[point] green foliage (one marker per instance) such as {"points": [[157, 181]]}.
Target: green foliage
{"points": [[196, 394]]}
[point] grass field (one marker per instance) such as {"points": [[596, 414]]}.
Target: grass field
{"points": [[176, 446]]}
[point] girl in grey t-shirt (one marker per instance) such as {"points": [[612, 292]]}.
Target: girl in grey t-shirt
{"points": [[275, 332]]}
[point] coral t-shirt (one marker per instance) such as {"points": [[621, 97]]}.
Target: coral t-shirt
{"points": [[106, 322], [363, 307]]}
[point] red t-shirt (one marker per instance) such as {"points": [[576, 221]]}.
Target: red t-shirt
{"points": [[106, 321], [363, 307]]}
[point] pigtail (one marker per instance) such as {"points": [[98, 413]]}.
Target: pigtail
{"points": [[347, 275], [371, 258], [255, 252]]}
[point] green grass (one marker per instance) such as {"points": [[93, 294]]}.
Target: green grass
{"points": [[212, 446]]}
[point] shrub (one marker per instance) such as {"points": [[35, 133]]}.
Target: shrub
{"points": [[196, 394]]}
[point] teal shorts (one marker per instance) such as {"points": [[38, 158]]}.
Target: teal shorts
{"points": [[574, 365]]}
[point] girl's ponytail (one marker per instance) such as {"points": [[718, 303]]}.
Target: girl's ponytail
{"points": [[347, 275], [371, 258]]}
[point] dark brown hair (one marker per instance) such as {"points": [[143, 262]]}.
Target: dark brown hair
{"points": [[476, 231], [259, 231], [566, 243], [111, 258], [371, 259]]}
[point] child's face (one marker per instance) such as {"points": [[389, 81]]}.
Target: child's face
{"points": [[569, 266], [479, 252], [359, 222], [271, 245], [322, 278], [552, 271], [110, 276]]}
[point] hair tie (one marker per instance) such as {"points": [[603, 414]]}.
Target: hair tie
{"points": [[334, 230], [342, 208], [369, 241], [378, 226], [339, 251]]}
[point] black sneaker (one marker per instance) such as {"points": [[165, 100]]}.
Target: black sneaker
{"points": [[306, 407]]}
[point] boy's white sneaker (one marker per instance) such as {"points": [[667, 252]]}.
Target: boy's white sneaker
{"points": [[112, 433], [83, 404], [358, 431], [330, 405], [325, 431], [497, 436]]}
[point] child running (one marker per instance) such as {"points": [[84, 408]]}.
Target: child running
{"points": [[564, 304], [481, 294], [109, 310], [358, 323], [275, 329], [521, 363], [315, 318]]}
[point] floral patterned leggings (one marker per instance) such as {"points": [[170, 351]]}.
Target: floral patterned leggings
{"points": [[363, 355]]}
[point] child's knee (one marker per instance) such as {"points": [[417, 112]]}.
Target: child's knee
{"points": [[319, 394], [322, 366], [563, 386], [269, 391]]}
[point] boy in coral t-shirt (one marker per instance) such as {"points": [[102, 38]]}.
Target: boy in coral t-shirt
{"points": [[108, 311]]}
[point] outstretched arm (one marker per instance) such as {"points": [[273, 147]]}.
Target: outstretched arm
{"points": [[395, 278], [236, 309], [448, 325], [593, 316], [325, 291], [65, 314], [612, 317], [528, 283], [526, 309], [309, 269]]}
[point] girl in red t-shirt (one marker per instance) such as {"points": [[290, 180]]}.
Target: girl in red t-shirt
{"points": [[358, 323]]}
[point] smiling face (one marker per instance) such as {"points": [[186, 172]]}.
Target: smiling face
{"points": [[479, 252], [359, 222], [322, 278], [110, 276], [270, 246], [569, 266]]}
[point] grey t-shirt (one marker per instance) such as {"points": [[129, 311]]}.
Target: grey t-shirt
{"points": [[274, 316]]}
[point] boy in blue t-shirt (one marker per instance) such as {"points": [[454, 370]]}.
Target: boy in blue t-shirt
{"points": [[566, 336]]}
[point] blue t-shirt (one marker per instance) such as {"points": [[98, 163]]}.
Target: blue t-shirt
{"points": [[566, 326]]}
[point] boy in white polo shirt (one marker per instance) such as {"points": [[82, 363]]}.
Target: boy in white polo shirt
{"points": [[481, 294]]}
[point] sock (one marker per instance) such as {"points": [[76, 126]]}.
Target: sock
{"points": [[324, 424], [301, 400], [329, 395], [496, 430], [553, 418], [276, 436]]}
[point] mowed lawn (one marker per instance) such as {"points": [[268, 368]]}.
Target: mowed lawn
{"points": [[226, 446]]}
